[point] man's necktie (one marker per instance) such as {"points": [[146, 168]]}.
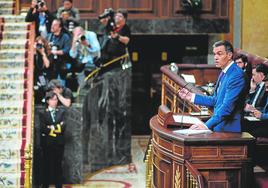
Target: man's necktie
{"points": [[220, 80], [53, 115]]}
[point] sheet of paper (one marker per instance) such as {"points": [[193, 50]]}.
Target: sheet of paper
{"points": [[189, 78], [202, 113], [250, 118], [187, 119], [192, 132]]}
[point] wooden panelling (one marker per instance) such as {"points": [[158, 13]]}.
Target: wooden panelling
{"points": [[88, 8], [178, 150], [144, 9], [205, 152], [210, 9], [218, 157]]}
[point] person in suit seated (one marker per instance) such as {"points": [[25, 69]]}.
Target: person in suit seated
{"points": [[52, 126], [259, 128], [229, 95], [242, 61], [257, 96]]}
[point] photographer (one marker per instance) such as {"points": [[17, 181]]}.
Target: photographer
{"points": [[68, 6], [60, 43], [39, 14], [64, 94], [118, 38], [43, 69], [85, 48], [68, 23]]}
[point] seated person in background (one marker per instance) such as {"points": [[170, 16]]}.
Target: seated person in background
{"points": [[68, 23], [65, 95], [39, 14], [257, 97], [52, 126], [85, 49], [68, 6], [259, 128], [242, 61], [60, 43], [119, 38]]}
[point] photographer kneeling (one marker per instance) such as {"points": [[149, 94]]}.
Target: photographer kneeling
{"points": [[85, 49]]}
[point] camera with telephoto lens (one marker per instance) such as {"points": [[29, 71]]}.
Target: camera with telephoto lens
{"points": [[81, 38], [40, 4], [108, 13]]}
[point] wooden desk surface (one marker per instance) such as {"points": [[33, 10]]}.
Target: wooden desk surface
{"points": [[201, 139]]}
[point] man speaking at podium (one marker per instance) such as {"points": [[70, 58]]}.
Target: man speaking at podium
{"points": [[229, 94]]}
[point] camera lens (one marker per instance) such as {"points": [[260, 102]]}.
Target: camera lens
{"points": [[83, 37], [39, 45]]}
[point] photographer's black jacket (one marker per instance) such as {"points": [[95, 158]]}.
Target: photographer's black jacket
{"points": [[34, 17]]}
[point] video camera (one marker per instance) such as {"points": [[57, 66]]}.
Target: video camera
{"points": [[108, 13], [40, 4]]}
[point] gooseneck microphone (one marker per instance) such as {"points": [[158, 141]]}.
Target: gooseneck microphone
{"points": [[184, 103]]}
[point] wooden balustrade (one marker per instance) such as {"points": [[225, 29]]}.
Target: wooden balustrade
{"points": [[194, 178], [29, 105], [17, 7]]}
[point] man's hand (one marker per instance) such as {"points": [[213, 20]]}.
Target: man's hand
{"points": [[257, 114], [57, 90], [34, 3], [198, 127], [249, 108], [185, 94], [114, 35]]}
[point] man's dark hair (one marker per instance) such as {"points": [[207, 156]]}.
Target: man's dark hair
{"points": [[227, 45], [71, 1], [50, 95], [60, 22], [54, 84], [262, 68], [243, 57], [123, 12]]}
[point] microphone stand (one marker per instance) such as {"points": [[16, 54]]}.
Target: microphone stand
{"points": [[184, 101]]}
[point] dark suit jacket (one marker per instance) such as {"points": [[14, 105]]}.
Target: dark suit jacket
{"points": [[261, 100], [228, 101], [34, 17], [46, 120]]}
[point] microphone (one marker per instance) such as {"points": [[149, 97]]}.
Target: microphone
{"points": [[184, 102], [174, 68]]}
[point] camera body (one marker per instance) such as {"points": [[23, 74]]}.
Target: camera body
{"points": [[109, 13], [40, 4], [39, 46], [54, 48]]}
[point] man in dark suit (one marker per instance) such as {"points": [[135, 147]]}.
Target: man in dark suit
{"points": [[52, 127], [229, 95], [259, 128], [257, 97]]}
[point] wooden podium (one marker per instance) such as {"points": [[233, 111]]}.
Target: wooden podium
{"points": [[205, 160], [216, 160]]}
